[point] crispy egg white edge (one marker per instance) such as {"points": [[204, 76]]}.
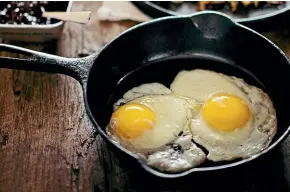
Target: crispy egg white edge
{"points": [[172, 160]]}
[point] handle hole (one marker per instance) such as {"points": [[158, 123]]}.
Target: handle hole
{"points": [[8, 54], [17, 54], [50, 47]]}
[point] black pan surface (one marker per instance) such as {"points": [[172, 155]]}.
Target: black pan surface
{"points": [[157, 51], [263, 18]]}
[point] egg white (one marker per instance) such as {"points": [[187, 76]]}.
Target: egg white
{"points": [[201, 84]]}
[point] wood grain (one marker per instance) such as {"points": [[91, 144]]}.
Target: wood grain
{"points": [[47, 142]]}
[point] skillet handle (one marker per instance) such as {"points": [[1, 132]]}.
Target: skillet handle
{"points": [[77, 68]]}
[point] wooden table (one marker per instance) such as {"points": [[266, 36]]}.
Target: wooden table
{"points": [[47, 142]]}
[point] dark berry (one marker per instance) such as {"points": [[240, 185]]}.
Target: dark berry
{"points": [[24, 12]]}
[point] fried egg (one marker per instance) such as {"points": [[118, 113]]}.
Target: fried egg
{"points": [[154, 124], [236, 120], [150, 122]]}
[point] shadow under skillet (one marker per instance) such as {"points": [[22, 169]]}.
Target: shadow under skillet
{"points": [[265, 174]]}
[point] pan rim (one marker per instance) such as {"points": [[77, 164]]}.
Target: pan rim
{"points": [[197, 169]]}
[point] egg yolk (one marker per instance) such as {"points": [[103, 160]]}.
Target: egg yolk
{"points": [[226, 112], [131, 120]]}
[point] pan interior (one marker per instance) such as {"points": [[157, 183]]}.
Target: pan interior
{"points": [[164, 71]]}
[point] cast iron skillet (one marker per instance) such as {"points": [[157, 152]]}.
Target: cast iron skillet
{"points": [[156, 51], [261, 20]]}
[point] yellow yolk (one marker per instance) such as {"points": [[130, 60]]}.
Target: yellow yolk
{"points": [[131, 120], [226, 112]]}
